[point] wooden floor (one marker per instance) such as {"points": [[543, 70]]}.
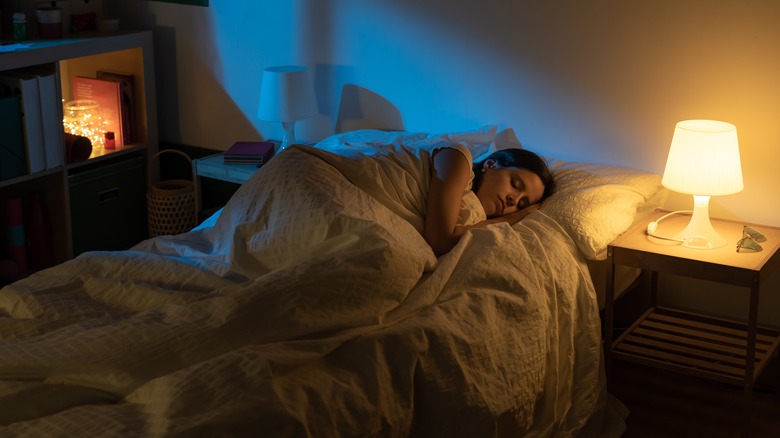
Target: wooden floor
{"points": [[666, 404]]}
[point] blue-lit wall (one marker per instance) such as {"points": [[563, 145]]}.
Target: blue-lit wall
{"points": [[599, 80]]}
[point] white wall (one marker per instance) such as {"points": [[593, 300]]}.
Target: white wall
{"points": [[601, 80]]}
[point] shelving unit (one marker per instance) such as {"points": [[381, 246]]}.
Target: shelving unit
{"points": [[127, 52]]}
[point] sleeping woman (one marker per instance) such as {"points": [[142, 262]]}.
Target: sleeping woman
{"points": [[430, 184], [509, 183]]}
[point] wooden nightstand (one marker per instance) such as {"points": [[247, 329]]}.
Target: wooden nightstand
{"points": [[718, 348], [214, 166]]}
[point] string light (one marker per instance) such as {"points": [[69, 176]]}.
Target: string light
{"points": [[82, 117]]}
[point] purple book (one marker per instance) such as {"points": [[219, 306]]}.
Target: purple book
{"points": [[250, 152]]}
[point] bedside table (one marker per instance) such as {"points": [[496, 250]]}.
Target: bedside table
{"points": [[695, 344], [214, 166]]}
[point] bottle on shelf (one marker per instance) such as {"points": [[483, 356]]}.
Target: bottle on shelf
{"points": [[110, 141], [20, 26]]}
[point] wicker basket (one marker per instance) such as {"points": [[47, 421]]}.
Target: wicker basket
{"points": [[172, 204]]}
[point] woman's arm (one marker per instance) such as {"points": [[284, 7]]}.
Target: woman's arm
{"points": [[449, 175]]}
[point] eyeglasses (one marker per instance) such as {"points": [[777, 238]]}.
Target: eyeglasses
{"points": [[749, 240]]}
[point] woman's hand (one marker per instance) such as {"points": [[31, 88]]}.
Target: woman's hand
{"points": [[517, 216], [511, 218]]}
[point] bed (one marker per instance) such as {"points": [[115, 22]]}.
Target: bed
{"points": [[311, 306]]}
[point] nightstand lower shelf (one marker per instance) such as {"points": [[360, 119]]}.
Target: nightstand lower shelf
{"points": [[695, 344]]}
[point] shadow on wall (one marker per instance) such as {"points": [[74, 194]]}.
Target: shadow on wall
{"points": [[362, 108], [166, 73], [344, 106]]}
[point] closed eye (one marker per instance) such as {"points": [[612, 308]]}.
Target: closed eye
{"points": [[519, 185]]}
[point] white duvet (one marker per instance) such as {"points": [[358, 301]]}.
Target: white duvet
{"points": [[309, 309]]}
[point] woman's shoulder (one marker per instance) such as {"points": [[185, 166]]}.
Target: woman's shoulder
{"points": [[435, 147]]}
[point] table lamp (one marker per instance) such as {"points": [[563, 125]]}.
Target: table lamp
{"points": [[286, 95], [703, 161]]}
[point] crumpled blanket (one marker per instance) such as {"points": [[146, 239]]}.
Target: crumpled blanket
{"points": [[308, 309]]}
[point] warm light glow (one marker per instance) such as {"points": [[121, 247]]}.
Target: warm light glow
{"points": [[703, 161], [82, 117], [287, 95]]}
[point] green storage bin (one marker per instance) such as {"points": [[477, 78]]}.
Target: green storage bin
{"points": [[108, 206]]}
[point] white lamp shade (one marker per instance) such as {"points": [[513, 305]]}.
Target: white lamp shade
{"points": [[704, 159], [286, 94]]}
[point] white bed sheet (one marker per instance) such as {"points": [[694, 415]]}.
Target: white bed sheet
{"points": [[309, 308]]}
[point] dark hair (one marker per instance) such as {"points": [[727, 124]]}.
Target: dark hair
{"points": [[520, 158]]}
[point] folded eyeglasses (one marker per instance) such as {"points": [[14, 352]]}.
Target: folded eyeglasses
{"points": [[749, 240]]}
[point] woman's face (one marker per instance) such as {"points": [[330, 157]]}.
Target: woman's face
{"points": [[505, 190]]}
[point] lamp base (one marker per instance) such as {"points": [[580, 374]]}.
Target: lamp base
{"points": [[699, 233], [289, 135]]}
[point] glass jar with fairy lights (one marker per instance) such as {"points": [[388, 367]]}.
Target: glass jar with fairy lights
{"points": [[82, 117]]}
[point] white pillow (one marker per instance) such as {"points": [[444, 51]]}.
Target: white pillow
{"points": [[596, 203]]}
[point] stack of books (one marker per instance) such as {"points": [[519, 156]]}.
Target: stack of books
{"points": [[29, 106], [249, 152]]}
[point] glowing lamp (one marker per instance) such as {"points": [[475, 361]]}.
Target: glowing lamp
{"points": [[287, 95], [703, 161]]}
